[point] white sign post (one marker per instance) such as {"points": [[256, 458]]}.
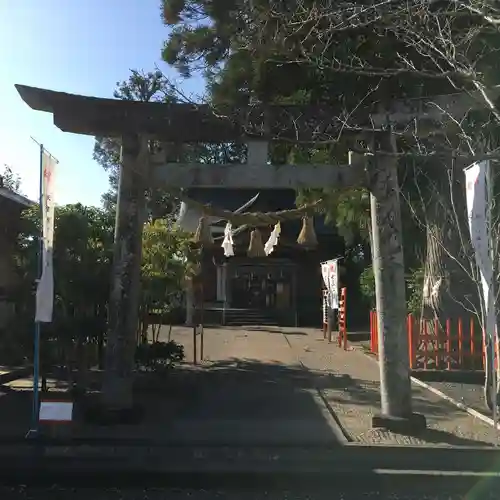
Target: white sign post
{"points": [[56, 416], [56, 412], [329, 271]]}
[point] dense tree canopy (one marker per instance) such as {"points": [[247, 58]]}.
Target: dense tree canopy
{"points": [[10, 180], [356, 55], [146, 87]]}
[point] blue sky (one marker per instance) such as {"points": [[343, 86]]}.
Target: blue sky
{"points": [[78, 47]]}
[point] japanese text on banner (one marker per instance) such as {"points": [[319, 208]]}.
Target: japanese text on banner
{"points": [[329, 270], [45, 290]]}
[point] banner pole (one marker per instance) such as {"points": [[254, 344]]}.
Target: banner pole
{"points": [[36, 347]]}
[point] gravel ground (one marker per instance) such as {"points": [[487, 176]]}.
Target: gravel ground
{"points": [[350, 385], [470, 395], [56, 493]]}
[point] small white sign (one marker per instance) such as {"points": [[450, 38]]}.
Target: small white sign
{"points": [[56, 411], [329, 270]]}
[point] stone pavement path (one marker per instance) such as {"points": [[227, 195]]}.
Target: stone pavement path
{"points": [[251, 385], [347, 381]]}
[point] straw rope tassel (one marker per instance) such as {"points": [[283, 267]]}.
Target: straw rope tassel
{"points": [[203, 234], [307, 236], [256, 247]]}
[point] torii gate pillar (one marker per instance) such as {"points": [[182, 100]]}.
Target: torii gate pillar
{"points": [[125, 282], [388, 268]]}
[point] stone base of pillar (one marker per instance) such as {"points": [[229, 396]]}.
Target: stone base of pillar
{"points": [[412, 424]]}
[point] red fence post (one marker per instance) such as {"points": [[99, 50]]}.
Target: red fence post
{"points": [[344, 293], [371, 331], [448, 344], [438, 355], [483, 349], [460, 347], [426, 344]]}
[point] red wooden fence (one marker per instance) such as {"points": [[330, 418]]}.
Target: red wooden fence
{"points": [[456, 345]]}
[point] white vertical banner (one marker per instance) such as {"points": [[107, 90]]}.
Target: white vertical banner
{"points": [[45, 289], [478, 192], [329, 271]]}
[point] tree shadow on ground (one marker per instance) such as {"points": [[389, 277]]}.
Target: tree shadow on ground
{"points": [[229, 399], [253, 393], [344, 390], [265, 329], [337, 389]]}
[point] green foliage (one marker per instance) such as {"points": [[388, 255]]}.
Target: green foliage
{"points": [[150, 86], [82, 267], [159, 356], [83, 250], [281, 53], [367, 285], [168, 260], [10, 180], [415, 286]]}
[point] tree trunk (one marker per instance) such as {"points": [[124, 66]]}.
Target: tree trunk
{"points": [[82, 365], [448, 285], [449, 292], [189, 302], [125, 286]]}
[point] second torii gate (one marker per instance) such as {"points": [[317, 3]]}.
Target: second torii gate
{"points": [[136, 123]]}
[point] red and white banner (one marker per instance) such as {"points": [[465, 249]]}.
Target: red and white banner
{"points": [[329, 270], [45, 289]]}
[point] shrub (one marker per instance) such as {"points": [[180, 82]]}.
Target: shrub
{"points": [[158, 356]]}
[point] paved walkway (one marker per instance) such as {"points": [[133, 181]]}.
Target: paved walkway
{"points": [[348, 382], [254, 389]]}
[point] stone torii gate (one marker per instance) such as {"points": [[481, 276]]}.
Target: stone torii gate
{"points": [[136, 123]]}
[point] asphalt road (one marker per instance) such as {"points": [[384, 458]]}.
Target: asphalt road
{"points": [[57, 493]]}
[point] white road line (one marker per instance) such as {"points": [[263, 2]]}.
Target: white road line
{"points": [[456, 403]]}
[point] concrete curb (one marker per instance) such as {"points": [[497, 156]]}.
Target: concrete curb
{"points": [[442, 395]]}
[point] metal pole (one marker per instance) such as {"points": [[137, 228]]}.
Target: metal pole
{"points": [[331, 322], [195, 359], [36, 350], [202, 341], [202, 319]]}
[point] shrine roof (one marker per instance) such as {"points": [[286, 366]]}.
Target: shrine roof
{"points": [[231, 199], [11, 196]]}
